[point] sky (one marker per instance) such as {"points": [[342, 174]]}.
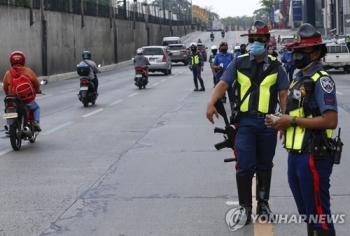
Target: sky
{"points": [[225, 8]]}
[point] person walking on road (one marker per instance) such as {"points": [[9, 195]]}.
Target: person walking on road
{"points": [[196, 66]]}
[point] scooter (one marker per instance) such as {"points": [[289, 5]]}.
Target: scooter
{"points": [[19, 122], [212, 38], [140, 78], [87, 92]]}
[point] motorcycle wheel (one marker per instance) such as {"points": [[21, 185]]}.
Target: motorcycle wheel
{"points": [[15, 138], [140, 86]]}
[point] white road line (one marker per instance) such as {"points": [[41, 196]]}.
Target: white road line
{"points": [[67, 90], [92, 113], [340, 93], [45, 96], [5, 151], [57, 128], [162, 80], [170, 76], [155, 84], [131, 95], [116, 102], [232, 203]]}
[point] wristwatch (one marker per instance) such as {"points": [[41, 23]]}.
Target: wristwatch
{"points": [[294, 122]]}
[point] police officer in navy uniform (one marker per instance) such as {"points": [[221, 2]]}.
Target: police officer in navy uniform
{"points": [[196, 66], [221, 61], [255, 143], [311, 114]]}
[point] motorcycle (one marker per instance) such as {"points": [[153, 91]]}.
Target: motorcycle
{"points": [[87, 92], [140, 78], [19, 121], [223, 35]]}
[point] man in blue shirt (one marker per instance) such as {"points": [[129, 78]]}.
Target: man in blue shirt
{"points": [[222, 60], [255, 143], [288, 63]]}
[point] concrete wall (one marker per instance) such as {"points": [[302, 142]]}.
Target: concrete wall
{"points": [[66, 39]]}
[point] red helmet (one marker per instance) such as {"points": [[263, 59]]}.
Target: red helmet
{"points": [[17, 57]]}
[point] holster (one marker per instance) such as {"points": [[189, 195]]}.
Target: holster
{"points": [[319, 148]]}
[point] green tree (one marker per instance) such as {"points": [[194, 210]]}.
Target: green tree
{"points": [[268, 5]]}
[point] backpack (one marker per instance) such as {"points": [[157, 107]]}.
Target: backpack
{"points": [[22, 87]]}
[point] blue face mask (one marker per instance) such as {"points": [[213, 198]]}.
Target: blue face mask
{"points": [[257, 48]]}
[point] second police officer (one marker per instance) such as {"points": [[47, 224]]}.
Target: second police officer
{"points": [[255, 143], [311, 114]]}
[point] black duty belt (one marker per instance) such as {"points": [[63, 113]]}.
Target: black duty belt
{"points": [[255, 115]]}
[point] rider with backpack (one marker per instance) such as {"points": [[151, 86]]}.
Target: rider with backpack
{"points": [[22, 82], [86, 55]]}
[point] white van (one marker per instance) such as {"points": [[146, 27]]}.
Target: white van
{"points": [[337, 57], [171, 40]]}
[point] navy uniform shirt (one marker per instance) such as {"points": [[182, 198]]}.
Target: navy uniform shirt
{"points": [[225, 59], [324, 95], [230, 75]]}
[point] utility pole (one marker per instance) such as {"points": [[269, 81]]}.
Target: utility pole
{"points": [[326, 18], [337, 15]]}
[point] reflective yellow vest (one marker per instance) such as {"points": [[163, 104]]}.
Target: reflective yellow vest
{"points": [[265, 96], [195, 59], [297, 137]]}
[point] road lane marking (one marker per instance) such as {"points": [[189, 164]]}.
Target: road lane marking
{"points": [[92, 113], [5, 151], [162, 80], [57, 128], [155, 84], [340, 93], [116, 102], [131, 95], [45, 96], [232, 203], [67, 90]]}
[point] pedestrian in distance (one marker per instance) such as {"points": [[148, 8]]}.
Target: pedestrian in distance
{"points": [[222, 60], [288, 63], [196, 66], [255, 143], [310, 116]]}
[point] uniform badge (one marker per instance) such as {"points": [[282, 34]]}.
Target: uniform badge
{"points": [[253, 29], [327, 84], [266, 66]]}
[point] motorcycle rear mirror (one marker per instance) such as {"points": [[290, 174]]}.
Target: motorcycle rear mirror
{"points": [[43, 82], [221, 110], [99, 65]]}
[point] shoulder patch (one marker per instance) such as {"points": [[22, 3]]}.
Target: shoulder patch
{"points": [[327, 84], [329, 99]]}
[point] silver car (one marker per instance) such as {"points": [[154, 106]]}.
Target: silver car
{"points": [[179, 53], [158, 58]]}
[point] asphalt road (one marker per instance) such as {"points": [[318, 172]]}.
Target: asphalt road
{"points": [[141, 162]]}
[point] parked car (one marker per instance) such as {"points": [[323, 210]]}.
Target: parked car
{"points": [[337, 57], [159, 59], [273, 42], [179, 53], [202, 48]]}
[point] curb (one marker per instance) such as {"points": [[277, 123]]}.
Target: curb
{"points": [[70, 75]]}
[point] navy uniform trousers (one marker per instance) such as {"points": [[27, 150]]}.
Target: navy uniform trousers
{"points": [[309, 181]]}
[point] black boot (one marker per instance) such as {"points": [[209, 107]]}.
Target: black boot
{"points": [[310, 230], [263, 183], [195, 85], [202, 84], [324, 232], [244, 188]]}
